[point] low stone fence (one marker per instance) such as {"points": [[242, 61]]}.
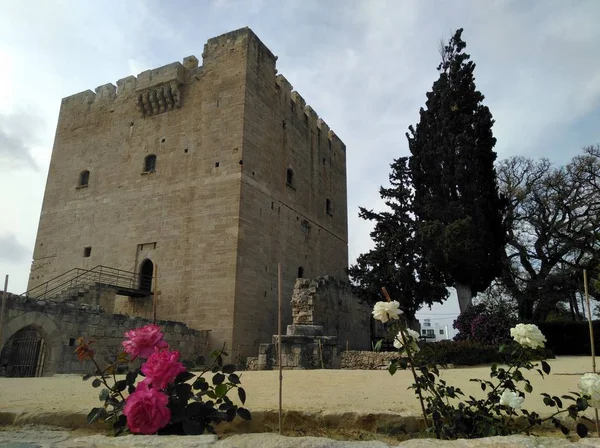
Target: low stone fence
{"points": [[45, 332], [358, 360]]}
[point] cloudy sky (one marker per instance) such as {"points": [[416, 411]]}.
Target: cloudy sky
{"points": [[364, 66]]}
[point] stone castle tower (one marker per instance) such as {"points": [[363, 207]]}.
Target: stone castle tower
{"points": [[210, 175]]}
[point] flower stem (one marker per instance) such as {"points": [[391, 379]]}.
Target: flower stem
{"points": [[414, 373]]}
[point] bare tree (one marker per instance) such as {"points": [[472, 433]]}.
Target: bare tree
{"points": [[553, 225]]}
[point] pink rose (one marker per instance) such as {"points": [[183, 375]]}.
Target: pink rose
{"points": [[161, 368], [143, 341], [146, 410]]}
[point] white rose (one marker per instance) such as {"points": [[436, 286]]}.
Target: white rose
{"points": [[528, 335], [589, 384], [385, 311], [412, 337], [511, 399]]}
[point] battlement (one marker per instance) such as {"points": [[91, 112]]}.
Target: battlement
{"points": [[304, 111], [159, 90]]}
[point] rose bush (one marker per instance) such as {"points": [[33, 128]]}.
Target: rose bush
{"points": [[164, 402], [450, 414]]}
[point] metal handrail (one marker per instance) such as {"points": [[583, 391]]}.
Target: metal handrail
{"points": [[77, 278]]}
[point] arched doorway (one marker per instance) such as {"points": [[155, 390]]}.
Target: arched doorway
{"points": [[146, 274], [23, 354]]}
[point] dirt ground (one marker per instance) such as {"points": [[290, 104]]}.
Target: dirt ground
{"points": [[338, 391]]}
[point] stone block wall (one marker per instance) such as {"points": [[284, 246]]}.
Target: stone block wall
{"points": [[61, 323], [359, 360], [329, 303]]}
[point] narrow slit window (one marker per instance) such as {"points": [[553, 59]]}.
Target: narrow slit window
{"points": [[328, 206], [150, 163], [84, 178], [290, 177], [300, 272]]}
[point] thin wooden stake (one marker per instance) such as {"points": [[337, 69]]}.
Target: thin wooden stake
{"points": [[279, 341], [155, 295], [3, 307], [591, 326]]}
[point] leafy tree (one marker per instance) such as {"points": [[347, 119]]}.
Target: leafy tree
{"points": [[456, 203], [396, 261], [553, 222]]}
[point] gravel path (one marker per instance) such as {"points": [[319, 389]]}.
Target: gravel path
{"points": [[305, 390]]}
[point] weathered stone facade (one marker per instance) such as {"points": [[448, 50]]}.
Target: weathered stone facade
{"points": [[61, 323], [215, 173]]}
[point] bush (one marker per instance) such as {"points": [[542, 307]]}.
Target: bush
{"points": [[460, 353], [569, 338], [469, 353], [465, 320], [485, 324]]}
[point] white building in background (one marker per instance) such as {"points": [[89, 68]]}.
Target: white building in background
{"points": [[433, 332]]}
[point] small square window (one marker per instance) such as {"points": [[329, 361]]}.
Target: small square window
{"points": [[72, 342], [216, 164], [441, 331], [87, 251]]}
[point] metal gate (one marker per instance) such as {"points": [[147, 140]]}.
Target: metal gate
{"points": [[23, 354]]}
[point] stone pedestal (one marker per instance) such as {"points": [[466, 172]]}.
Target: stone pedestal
{"points": [[303, 347]]}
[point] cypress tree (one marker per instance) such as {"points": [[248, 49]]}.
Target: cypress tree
{"points": [[456, 204]]}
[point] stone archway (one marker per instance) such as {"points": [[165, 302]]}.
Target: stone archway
{"points": [[23, 354], [49, 332]]}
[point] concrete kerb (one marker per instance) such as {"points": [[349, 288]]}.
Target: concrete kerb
{"points": [[263, 421]]}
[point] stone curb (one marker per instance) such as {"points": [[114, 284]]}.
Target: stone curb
{"points": [[262, 421]]}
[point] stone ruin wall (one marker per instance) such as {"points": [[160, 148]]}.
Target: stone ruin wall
{"points": [[362, 360], [327, 318], [61, 323], [330, 303]]}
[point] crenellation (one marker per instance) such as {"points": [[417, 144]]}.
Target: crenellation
{"points": [[300, 103], [324, 128], [126, 84], [106, 91], [312, 115], [85, 97], [285, 86], [190, 62]]}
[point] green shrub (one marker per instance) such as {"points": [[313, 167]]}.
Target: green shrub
{"points": [[468, 353]]}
